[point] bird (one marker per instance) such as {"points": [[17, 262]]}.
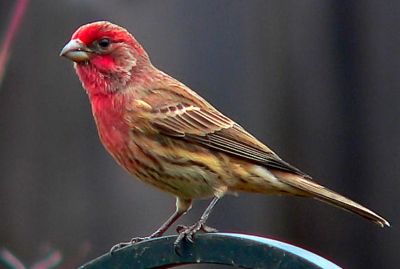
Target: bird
{"points": [[166, 135]]}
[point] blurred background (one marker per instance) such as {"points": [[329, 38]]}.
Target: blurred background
{"points": [[318, 81]]}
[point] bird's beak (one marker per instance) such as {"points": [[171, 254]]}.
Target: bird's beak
{"points": [[76, 51]]}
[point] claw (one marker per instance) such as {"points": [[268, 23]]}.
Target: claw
{"points": [[190, 237], [208, 229], [119, 246], [139, 239], [177, 244], [180, 228], [124, 244], [188, 233]]}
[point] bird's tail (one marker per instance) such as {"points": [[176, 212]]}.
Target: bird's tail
{"points": [[323, 194]]}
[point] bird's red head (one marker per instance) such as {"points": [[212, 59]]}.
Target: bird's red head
{"points": [[104, 51]]}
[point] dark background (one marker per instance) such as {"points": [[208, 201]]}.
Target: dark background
{"points": [[317, 80]]}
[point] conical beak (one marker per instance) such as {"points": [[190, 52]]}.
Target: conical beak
{"points": [[76, 51]]}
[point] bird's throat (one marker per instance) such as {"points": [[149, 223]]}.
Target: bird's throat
{"points": [[97, 82]]}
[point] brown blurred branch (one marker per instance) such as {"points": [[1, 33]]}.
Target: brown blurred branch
{"points": [[10, 260], [52, 259], [16, 19]]}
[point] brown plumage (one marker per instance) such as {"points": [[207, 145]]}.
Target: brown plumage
{"points": [[168, 136]]}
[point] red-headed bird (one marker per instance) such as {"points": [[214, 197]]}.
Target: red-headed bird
{"points": [[166, 135]]}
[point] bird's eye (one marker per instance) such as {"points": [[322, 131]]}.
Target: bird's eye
{"points": [[104, 43]]}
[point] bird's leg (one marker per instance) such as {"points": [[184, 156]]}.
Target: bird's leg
{"points": [[182, 206], [188, 232]]}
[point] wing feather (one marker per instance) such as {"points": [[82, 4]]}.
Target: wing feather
{"points": [[212, 129]]}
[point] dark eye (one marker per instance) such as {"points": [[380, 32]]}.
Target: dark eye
{"points": [[104, 43]]}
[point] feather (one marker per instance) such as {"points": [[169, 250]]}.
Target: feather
{"points": [[213, 130]]}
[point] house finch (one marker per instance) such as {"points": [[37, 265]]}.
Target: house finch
{"points": [[168, 136]]}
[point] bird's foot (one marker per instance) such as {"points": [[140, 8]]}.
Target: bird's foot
{"points": [[188, 232], [133, 241]]}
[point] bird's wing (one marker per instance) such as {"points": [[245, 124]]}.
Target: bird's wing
{"points": [[212, 129]]}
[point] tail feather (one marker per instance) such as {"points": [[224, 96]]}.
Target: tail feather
{"points": [[323, 194]]}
